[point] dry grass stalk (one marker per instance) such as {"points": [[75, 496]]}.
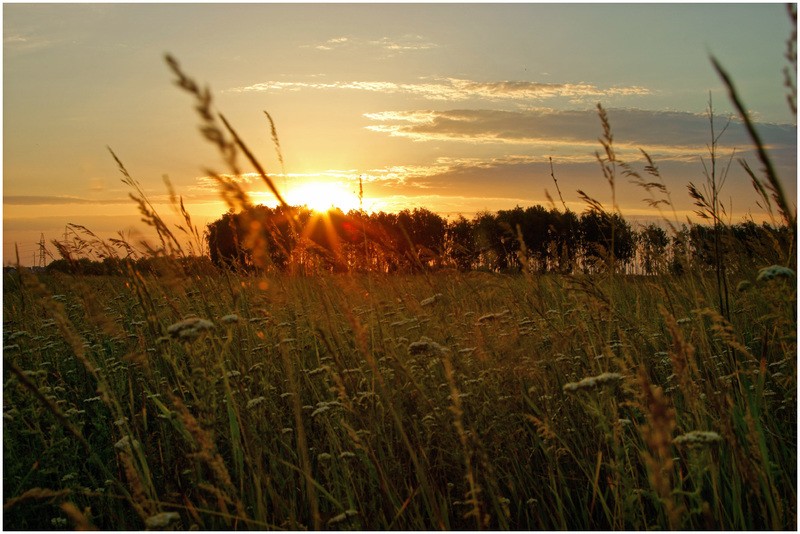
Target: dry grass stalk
{"points": [[79, 519], [657, 435]]}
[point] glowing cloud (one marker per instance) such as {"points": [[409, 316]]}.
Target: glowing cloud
{"points": [[458, 89]]}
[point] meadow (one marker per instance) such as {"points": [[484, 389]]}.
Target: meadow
{"points": [[171, 398]]}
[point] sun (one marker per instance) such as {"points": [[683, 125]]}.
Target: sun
{"points": [[322, 196]]}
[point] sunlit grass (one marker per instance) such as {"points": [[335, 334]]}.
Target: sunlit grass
{"points": [[179, 396]]}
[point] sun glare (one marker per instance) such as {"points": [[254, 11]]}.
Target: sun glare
{"points": [[322, 196]]}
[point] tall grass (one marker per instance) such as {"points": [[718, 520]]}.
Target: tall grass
{"points": [[174, 400]]}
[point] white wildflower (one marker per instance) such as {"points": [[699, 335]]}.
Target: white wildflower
{"points": [[231, 318], [593, 382], [324, 457], [342, 517], [252, 403], [189, 328], [774, 271], [319, 370], [491, 317], [684, 320], [346, 455], [430, 300], [161, 520], [233, 374], [697, 437], [320, 410]]}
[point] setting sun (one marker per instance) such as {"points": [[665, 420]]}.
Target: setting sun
{"points": [[322, 196]]}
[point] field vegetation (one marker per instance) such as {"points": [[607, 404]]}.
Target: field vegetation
{"points": [[306, 381]]}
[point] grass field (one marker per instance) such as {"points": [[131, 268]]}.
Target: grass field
{"points": [[456, 401], [161, 398]]}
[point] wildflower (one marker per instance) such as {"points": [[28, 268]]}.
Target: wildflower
{"points": [[346, 455], [189, 328], [252, 403], [161, 520], [684, 320], [774, 271], [594, 382], [324, 457], [491, 316], [322, 409], [430, 300], [318, 370], [342, 517], [697, 437], [425, 345], [233, 374], [229, 319]]}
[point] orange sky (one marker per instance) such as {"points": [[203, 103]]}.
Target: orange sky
{"points": [[457, 108]]}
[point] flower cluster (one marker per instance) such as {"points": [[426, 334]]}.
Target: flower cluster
{"points": [[774, 271], [697, 437], [430, 300], [594, 382], [189, 328]]}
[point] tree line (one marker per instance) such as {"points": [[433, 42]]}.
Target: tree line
{"points": [[535, 239]]}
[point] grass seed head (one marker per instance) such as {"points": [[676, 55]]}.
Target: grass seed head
{"points": [[190, 328], [161, 520], [697, 438], [231, 318], [594, 382]]}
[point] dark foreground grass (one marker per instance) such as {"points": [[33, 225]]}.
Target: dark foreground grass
{"points": [[453, 401]]}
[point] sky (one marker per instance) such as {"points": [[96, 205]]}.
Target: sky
{"points": [[458, 108]]}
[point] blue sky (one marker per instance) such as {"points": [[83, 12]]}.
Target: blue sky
{"points": [[456, 107]]}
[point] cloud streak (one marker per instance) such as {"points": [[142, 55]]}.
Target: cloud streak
{"points": [[43, 200], [393, 45], [455, 89], [675, 135]]}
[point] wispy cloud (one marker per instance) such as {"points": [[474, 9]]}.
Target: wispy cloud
{"points": [[455, 89], [23, 42], [670, 134], [392, 45], [43, 200]]}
